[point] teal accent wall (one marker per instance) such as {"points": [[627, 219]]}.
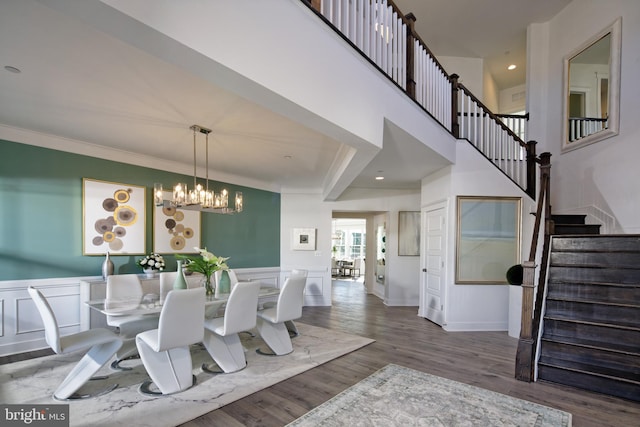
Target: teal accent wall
{"points": [[41, 216]]}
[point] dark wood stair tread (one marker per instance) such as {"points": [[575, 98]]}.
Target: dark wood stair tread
{"points": [[590, 369], [603, 323], [618, 347]]}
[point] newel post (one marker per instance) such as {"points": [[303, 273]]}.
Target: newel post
{"points": [[455, 126], [411, 82], [531, 168], [524, 354]]}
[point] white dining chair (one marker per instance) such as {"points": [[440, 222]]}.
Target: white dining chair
{"points": [[165, 351], [221, 337], [356, 267], [128, 287], [167, 278], [272, 321], [101, 343]]}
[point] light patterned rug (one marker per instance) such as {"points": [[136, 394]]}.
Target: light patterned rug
{"points": [[33, 381], [399, 396]]}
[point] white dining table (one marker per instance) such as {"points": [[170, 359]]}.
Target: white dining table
{"points": [[150, 304]]}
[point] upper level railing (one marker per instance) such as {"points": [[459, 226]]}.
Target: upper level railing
{"points": [[386, 36], [579, 127], [517, 123]]}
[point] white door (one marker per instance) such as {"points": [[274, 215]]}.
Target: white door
{"points": [[433, 250]]}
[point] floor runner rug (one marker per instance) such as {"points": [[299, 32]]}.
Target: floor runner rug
{"points": [[34, 381], [399, 396]]}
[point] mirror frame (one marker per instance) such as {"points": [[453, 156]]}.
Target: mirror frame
{"points": [[615, 29]]}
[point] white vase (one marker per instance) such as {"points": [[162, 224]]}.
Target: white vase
{"points": [[149, 273]]}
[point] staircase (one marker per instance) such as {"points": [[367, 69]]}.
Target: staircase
{"points": [[591, 323]]}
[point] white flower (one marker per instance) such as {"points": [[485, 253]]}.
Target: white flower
{"points": [[153, 261]]}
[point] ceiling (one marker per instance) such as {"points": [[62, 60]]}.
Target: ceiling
{"points": [[80, 84], [494, 30]]}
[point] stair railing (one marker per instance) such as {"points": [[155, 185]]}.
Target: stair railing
{"points": [[474, 122], [516, 122], [531, 313], [386, 37]]}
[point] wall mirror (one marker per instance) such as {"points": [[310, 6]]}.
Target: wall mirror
{"points": [[592, 89]]}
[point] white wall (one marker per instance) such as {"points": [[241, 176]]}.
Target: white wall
{"points": [[490, 92], [309, 211], [601, 177], [474, 306], [513, 100], [470, 70]]}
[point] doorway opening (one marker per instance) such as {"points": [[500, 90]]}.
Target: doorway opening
{"points": [[348, 248]]}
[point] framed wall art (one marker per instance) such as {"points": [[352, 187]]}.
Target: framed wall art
{"points": [[304, 239], [408, 233], [488, 238], [175, 230], [113, 218]]}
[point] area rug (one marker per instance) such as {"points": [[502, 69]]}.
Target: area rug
{"points": [[34, 381], [399, 396]]}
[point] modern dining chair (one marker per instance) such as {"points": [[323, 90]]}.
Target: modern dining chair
{"points": [[128, 287], [272, 321], [165, 351], [335, 270], [356, 267], [167, 278], [101, 344], [221, 337]]}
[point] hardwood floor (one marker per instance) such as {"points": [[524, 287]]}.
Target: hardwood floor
{"points": [[483, 359]]}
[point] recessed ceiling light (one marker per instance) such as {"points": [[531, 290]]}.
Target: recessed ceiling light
{"points": [[379, 178], [12, 69], [511, 67], [288, 157]]}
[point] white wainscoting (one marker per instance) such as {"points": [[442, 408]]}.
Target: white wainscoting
{"points": [[21, 327]]}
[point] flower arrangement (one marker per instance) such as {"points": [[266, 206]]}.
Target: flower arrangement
{"points": [[206, 264], [151, 262]]}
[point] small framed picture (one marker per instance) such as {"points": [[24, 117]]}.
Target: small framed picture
{"points": [[304, 239]]}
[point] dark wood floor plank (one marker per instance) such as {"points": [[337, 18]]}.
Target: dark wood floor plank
{"points": [[485, 359]]}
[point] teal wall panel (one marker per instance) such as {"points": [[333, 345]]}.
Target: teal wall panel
{"points": [[41, 216]]}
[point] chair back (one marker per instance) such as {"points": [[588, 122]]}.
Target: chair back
{"points": [[51, 331], [291, 297], [124, 286], [167, 278], [241, 309], [181, 319]]}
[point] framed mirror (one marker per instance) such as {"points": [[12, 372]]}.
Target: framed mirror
{"points": [[592, 89]]}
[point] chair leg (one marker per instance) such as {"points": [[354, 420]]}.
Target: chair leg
{"points": [[82, 372], [127, 351], [171, 371], [292, 328], [227, 352], [276, 336]]}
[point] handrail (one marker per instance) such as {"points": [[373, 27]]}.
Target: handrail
{"points": [[530, 321], [386, 37], [474, 122]]}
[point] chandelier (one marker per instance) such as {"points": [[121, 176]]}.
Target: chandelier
{"points": [[199, 197]]}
